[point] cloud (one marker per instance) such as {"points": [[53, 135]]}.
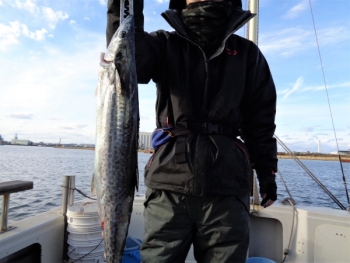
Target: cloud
{"points": [[37, 35], [86, 18], [296, 86], [55, 119], [20, 115], [299, 87], [321, 134], [60, 84], [9, 34], [296, 10], [72, 126], [292, 41], [285, 42], [53, 17], [27, 5], [72, 22], [307, 129], [34, 52], [322, 87], [102, 2]]}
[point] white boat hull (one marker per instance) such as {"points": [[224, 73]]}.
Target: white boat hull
{"points": [[319, 235]]}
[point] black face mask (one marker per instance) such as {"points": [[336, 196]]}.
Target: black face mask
{"points": [[206, 21]]}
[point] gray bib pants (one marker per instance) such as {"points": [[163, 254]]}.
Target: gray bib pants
{"points": [[217, 226]]}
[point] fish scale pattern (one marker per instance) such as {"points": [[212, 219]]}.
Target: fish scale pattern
{"points": [[116, 172]]}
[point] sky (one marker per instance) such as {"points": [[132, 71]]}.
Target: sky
{"points": [[49, 58]]}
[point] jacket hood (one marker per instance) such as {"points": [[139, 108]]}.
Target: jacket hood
{"points": [[181, 4], [238, 19]]}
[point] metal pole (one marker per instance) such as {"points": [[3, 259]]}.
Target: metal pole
{"points": [[68, 186], [5, 210], [71, 186], [64, 195], [253, 24], [256, 200]]}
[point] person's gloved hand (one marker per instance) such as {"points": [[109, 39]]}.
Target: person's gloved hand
{"points": [[268, 186]]}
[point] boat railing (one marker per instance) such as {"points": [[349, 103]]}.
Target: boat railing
{"points": [[7, 188]]}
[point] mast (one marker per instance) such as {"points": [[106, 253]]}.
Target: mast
{"points": [[253, 24], [252, 35]]}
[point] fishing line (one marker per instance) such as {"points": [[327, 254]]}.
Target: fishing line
{"points": [[329, 105], [79, 191], [89, 252], [285, 185], [310, 173]]}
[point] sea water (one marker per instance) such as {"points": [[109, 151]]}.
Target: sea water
{"points": [[46, 166]]}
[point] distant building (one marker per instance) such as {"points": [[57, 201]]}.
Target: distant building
{"points": [[1, 139], [319, 150], [145, 140], [21, 142], [341, 153], [87, 145]]}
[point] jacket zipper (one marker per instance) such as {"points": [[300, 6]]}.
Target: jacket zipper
{"points": [[205, 94]]}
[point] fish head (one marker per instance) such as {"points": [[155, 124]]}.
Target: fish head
{"points": [[122, 42]]}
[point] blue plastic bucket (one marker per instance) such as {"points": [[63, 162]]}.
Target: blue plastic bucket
{"points": [[132, 250], [259, 260]]}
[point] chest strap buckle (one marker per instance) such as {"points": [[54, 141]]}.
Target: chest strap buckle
{"points": [[211, 128]]}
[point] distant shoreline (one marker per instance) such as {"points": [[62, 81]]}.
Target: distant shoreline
{"points": [[92, 149], [320, 157], [309, 156], [75, 148]]}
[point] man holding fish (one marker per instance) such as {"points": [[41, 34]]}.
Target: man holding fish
{"points": [[215, 112]]}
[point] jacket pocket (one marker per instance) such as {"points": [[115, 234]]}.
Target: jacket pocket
{"points": [[244, 152], [228, 166], [150, 195]]}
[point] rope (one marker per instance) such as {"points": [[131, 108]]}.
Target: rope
{"points": [[286, 201], [79, 191], [285, 185], [329, 105], [310, 174], [88, 253], [71, 252], [287, 250]]}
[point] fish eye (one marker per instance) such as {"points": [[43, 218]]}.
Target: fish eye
{"points": [[122, 34]]}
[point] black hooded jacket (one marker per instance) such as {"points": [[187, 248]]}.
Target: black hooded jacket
{"points": [[209, 100]]}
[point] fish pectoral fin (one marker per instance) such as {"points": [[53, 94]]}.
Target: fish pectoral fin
{"points": [[102, 57], [103, 61]]}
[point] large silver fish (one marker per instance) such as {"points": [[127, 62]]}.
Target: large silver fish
{"points": [[116, 171]]}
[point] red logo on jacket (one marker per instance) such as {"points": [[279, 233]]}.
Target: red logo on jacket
{"points": [[231, 52]]}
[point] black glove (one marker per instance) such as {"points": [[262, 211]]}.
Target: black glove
{"points": [[113, 17], [267, 184]]}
